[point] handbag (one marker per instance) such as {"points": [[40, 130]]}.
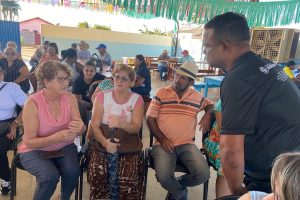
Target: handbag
{"points": [[129, 143]]}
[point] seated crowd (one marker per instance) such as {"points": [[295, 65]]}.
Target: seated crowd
{"points": [[247, 135]]}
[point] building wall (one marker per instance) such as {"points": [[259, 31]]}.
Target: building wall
{"points": [[9, 31], [298, 51], [32, 25], [118, 44]]}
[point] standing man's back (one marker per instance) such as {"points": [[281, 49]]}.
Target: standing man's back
{"points": [[260, 105]]}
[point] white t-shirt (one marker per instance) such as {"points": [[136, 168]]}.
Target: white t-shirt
{"points": [[11, 95], [111, 107]]}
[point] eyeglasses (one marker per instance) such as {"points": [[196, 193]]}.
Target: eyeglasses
{"points": [[10, 53], [122, 79], [177, 75], [61, 79]]}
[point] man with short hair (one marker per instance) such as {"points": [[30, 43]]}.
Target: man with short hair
{"points": [[172, 118], [186, 57], [260, 105], [104, 56]]}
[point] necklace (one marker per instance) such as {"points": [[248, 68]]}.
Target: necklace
{"points": [[120, 100]]}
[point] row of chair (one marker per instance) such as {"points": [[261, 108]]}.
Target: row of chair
{"points": [[146, 158]]}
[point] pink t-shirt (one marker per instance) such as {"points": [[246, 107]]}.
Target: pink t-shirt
{"points": [[111, 107], [47, 123]]}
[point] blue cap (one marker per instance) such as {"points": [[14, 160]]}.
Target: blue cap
{"points": [[101, 46]]}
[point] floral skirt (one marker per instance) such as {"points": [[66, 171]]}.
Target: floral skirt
{"points": [[130, 172], [212, 146]]}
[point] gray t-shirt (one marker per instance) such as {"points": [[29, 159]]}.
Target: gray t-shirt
{"points": [[83, 55], [163, 63]]}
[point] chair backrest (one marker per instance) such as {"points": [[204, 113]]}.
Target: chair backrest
{"points": [[230, 197]]}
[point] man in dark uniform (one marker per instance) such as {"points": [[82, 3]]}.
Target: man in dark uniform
{"points": [[260, 105]]}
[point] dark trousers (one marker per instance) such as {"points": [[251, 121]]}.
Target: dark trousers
{"points": [[4, 164], [48, 172]]}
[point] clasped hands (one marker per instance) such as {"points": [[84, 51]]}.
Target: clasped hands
{"points": [[74, 128]]}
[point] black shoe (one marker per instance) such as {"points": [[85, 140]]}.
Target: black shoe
{"points": [[5, 187], [169, 197], [165, 77]]}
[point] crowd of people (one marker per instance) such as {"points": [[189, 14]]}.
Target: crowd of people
{"points": [[251, 142]]}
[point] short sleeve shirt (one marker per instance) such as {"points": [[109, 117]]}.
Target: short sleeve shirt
{"points": [[177, 118], [80, 87], [111, 107], [10, 95], [161, 63], [106, 85], [262, 103], [186, 59], [12, 72], [144, 72], [288, 72]]}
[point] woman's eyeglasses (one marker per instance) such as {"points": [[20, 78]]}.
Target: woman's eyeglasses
{"points": [[10, 53], [61, 79], [122, 79]]}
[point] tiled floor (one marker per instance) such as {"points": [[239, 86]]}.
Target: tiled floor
{"points": [[26, 182]]}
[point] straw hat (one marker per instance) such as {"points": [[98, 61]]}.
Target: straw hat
{"points": [[188, 69], [83, 45]]}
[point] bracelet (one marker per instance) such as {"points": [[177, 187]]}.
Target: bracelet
{"points": [[16, 122]]}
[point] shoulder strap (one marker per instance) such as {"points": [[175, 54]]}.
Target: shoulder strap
{"points": [[201, 101], [3, 86]]}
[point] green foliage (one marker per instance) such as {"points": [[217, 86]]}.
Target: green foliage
{"points": [[10, 9], [83, 25], [156, 31], [101, 27]]}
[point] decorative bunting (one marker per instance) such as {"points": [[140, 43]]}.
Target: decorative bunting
{"points": [[197, 11]]}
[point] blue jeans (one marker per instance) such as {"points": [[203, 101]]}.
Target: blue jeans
{"points": [[48, 172], [162, 69], [165, 164]]}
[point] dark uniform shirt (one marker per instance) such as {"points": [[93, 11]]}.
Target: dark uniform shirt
{"points": [[144, 72], [12, 73], [80, 87], [261, 102]]}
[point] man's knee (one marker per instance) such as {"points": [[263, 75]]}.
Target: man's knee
{"points": [[201, 175], [163, 178]]}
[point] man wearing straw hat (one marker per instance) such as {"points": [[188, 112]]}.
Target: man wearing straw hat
{"points": [[83, 54], [172, 117], [163, 64]]}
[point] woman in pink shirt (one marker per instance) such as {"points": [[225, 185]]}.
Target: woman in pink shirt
{"points": [[121, 111], [50, 54], [51, 122]]}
